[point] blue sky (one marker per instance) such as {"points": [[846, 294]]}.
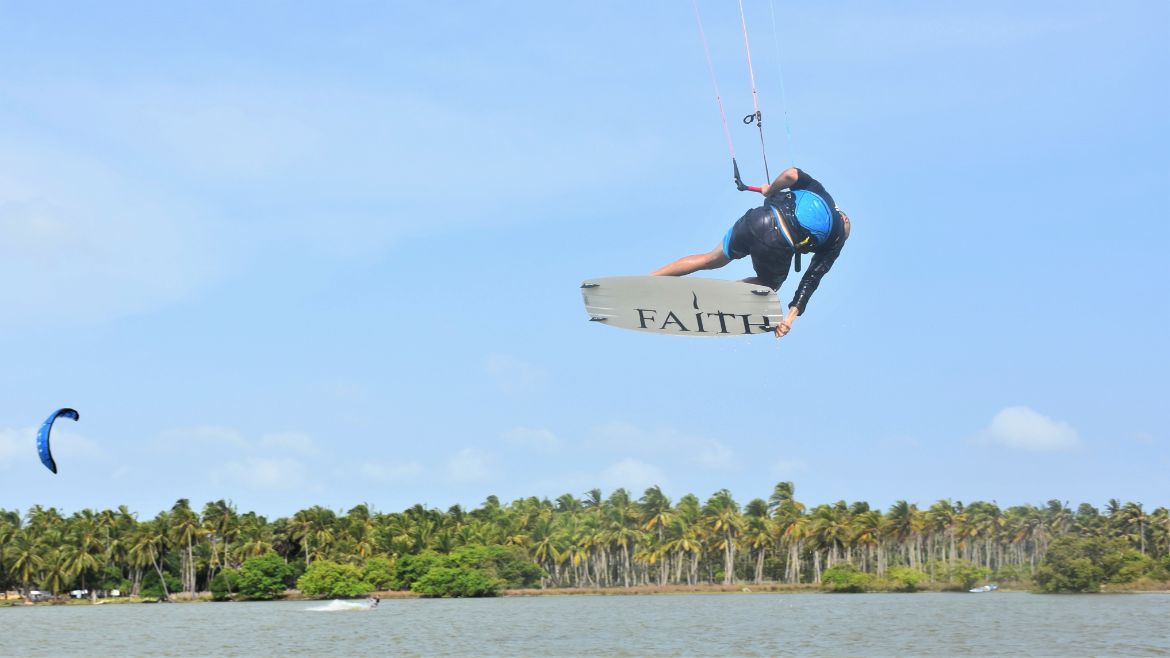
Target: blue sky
{"points": [[292, 254]]}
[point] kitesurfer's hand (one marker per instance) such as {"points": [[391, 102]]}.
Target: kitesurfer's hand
{"points": [[785, 325]]}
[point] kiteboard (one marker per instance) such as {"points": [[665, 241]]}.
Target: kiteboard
{"points": [[682, 306]]}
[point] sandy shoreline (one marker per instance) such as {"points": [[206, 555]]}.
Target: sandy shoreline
{"points": [[640, 590]]}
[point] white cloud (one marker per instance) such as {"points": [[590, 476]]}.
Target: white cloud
{"points": [[391, 472], [199, 440], [556, 483], [634, 475], [713, 454], [471, 466], [11, 442], [89, 243], [625, 437], [540, 439], [620, 434], [787, 467], [227, 458], [295, 442], [1024, 429], [262, 474], [213, 439]]}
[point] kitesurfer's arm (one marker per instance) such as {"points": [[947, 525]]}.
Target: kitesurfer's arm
{"points": [[822, 262], [785, 325], [785, 180], [712, 260]]}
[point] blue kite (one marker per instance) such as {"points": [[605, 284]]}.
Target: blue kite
{"points": [[43, 436]]}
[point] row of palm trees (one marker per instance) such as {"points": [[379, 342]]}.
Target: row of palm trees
{"points": [[590, 541]]}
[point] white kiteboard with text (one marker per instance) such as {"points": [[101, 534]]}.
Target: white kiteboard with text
{"points": [[682, 306]]}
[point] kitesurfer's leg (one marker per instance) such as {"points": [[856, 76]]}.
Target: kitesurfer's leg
{"points": [[771, 266], [712, 260]]}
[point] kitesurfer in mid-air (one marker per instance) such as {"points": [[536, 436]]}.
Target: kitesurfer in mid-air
{"points": [[798, 217]]}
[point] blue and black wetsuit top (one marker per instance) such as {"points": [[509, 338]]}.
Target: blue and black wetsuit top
{"points": [[805, 212]]}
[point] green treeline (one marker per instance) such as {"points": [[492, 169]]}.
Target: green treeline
{"points": [[588, 542]]}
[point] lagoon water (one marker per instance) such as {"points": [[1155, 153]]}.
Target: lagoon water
{"points": [[999, 623]]}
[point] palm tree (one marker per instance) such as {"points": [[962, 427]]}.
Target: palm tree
{"points": [[796, 530], [566, 503], [1059, 517], [85, 542], [41, 520], [1087, 520], [984, 528], [592, 504], [657, 517], [23, 557], [1131, 515], [1030, 526], [1160, 531], [758, 534], [148, 546], [300, 531], [943, 519], [255, 538], [904, 524], [362, 537], [722, 515], [622, 529], [831, 529], [117, 527], [220, 524], [790, 527], [421, 527], [867, 533], [782, 494], [546, 548], [185, 532], [57, 573], [688, 547]]}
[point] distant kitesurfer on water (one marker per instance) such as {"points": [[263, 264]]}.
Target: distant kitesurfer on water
{"points": [[798, 217]]}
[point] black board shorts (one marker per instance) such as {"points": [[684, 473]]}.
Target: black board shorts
{"points": [[757, 234]]}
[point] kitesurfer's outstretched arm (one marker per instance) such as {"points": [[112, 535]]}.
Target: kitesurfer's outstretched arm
{"points": [[785, 180], [712, 260]]}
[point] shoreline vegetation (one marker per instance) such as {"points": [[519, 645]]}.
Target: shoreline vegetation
{"points": [[588, 545]]}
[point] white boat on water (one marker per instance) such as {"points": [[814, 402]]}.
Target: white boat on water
{"points": [[986, 588]]}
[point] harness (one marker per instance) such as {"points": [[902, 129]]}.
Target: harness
{"points": [[798, 238]]}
